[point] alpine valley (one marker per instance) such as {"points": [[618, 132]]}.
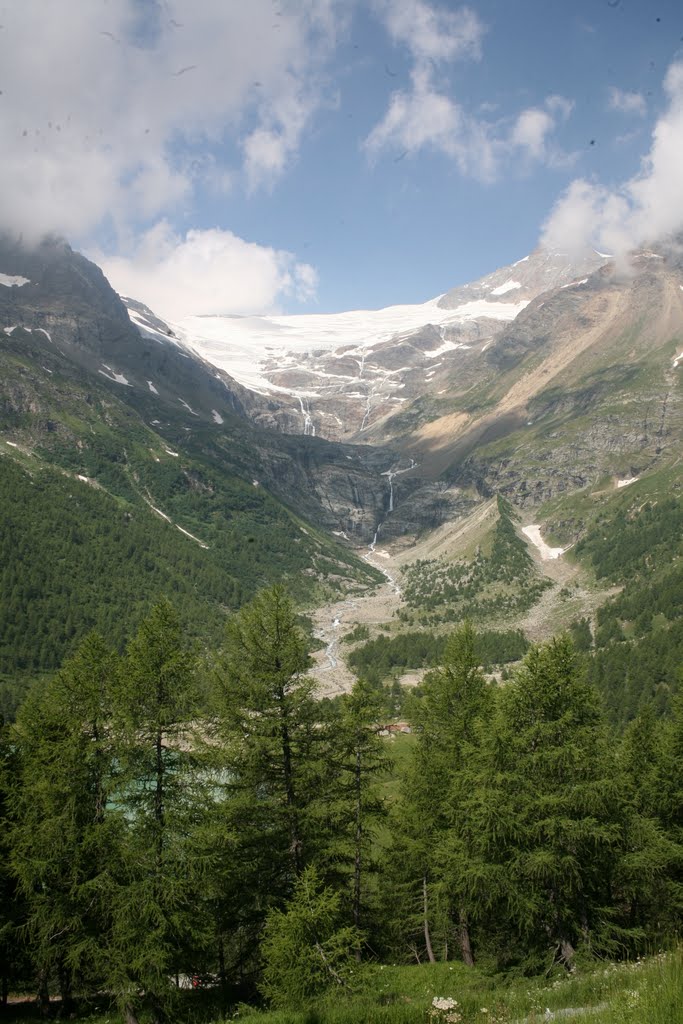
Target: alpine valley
{"points": [[509, 452]]}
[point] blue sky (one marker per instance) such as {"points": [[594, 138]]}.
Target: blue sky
{"points": [[319, 155]]}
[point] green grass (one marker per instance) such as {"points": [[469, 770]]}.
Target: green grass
{"points": [[639, 992], [648, 991]]}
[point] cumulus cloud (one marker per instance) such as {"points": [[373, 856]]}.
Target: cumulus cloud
{"points": [[643, 209], [268, 148], [207, 272], [626, 102], [425, 117], [107, 114], [432, 33], [530, 131]]}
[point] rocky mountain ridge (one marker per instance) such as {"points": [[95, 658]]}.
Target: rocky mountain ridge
{"points": [[344, 376]]}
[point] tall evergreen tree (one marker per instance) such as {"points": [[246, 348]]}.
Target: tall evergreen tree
{"points": [[456, 700], [12, 903], [358, 762], [64, 838], [267, 717], [549, 810], [156, 926]]}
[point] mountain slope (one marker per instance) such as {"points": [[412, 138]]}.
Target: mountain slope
{"points": [[113, 490], [584, 386], [342, 375]]}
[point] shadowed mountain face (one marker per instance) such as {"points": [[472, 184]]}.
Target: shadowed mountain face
{"points": [[75, 364], [67, 302]]}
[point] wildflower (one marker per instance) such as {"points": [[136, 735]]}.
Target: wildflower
{"points": [[444, 1003]]}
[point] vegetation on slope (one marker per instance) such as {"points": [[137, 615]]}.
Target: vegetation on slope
{"points": [[638, 643], [377, 659], [105, 558], [495, 584]]}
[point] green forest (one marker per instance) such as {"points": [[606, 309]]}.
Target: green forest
{"points": [[191, 835]]}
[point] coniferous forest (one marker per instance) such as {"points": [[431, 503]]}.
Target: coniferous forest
{"points": [[189, 835]]}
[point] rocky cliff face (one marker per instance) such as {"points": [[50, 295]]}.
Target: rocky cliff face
{"points": [[592, 369], [66, 302], [582, 383]]}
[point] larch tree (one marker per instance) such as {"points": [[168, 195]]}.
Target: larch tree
{"points": [[307, 948], [456, 699], [266, 717], [164, 795], [65, 837], [358, 760], [550, 809]]}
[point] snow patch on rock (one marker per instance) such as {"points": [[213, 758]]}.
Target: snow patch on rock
{"points": [[575, 284], [117, 378], [508, 286], [533, 532], [10, 280]]}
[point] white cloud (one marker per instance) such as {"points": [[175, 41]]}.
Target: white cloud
{"points": [[105, 117], [206, 272], [269, 147], [432, 33], [533, 129], [426, 118], [626, 102], [643, 209], [423, 118], [530, 131]]}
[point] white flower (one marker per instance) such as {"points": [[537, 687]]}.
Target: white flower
{"points": [[444, 1003]]}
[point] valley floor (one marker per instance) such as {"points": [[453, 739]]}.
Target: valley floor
{"points": [[572, 595]]}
